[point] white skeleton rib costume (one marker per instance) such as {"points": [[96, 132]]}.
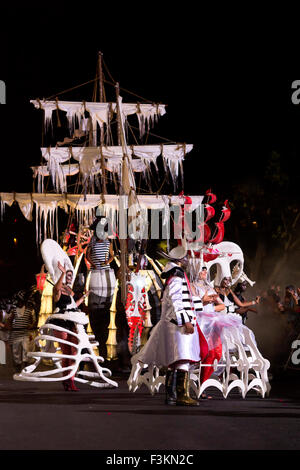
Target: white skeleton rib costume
{"points": [[209, 320], [65, 327], [214, 324]]}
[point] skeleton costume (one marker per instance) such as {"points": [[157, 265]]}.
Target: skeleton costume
{"points": [[169, 344], [65, 307], [214, 324]]}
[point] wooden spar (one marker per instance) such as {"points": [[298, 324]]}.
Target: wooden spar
{"points": [[102, 99], [118, 119], [103, 171], [101, 82], [124, 191]]}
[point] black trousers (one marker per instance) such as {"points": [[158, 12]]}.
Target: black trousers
{"points": [[99, 315]]}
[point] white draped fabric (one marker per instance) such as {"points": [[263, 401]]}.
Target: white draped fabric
{"points": [[46, 214], [6, 198], [46, 206], [40, 172], [99, 112], [139, 157], [94, 200], [150, 153], [25, 202], [89, 161]]}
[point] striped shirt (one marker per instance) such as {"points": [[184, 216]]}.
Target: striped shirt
{"points": [[23, 317], [198, 304], [99, 254], [182, 302]]}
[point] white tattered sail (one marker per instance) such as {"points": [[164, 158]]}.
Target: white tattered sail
{"points": [[121, 161], [46, 206], [6, 199], [60, 184], [99, 112], [89, 161]]}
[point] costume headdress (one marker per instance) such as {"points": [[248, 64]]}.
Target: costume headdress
{"points": [[176, 254], [52, 253], [243, 277]]}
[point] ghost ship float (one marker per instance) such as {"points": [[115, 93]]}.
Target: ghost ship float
{"points": [[96, 152]]}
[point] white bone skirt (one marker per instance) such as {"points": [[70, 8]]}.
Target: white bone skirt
{"points": [[47, 350]]}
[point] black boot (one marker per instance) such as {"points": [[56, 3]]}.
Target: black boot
{"points": [[183, 389], [170, 387]]}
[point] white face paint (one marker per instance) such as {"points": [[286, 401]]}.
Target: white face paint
{"points": [[69, 277], [226, 282], [203, 274]]}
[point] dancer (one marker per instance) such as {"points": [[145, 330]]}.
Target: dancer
{"points": [[69, 321], [239, 290], [175, 340], [208, 304], [215, 319], [64, 302], [209, 296], [230, 299]]}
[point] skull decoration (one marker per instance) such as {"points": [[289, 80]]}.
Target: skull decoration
{"points": [[228, 252]]}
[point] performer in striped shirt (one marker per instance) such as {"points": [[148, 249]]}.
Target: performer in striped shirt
{"points": [[102, 282], [22, 322], [100, 254], [176, 341], [25, 307]]}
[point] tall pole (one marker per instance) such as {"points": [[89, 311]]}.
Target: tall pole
{"points": [[118, 114], [102, 99], [101, 82], [124, 192]]}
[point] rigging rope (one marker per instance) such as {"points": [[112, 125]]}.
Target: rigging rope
{"points": [[94, 80]]}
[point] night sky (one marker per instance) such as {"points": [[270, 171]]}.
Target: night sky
{"points": [[233, 107]]}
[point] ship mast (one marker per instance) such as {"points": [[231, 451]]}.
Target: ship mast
{"points": [[101, 81], [124, 191], [101, 157], [102, 99]]}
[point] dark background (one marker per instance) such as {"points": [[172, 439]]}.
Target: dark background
{"points": [[222, 96]]}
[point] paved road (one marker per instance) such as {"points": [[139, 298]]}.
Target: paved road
{"points": [[43, 416]]}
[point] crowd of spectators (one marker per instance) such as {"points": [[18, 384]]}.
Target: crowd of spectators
{"points": [[18, 323], [287, 303]]}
